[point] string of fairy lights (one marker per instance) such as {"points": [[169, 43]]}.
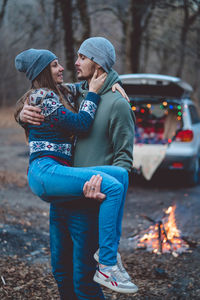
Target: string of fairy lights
{"points": [[163, 106]]}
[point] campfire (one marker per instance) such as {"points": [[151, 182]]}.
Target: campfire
{"points": [[163, 236]]}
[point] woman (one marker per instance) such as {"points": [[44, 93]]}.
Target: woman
{"points": [[50, 175]]}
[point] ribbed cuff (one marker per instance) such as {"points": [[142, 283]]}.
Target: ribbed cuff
{"points": [[93, 97]]}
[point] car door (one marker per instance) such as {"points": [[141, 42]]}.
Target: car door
{"points": [[195, 126]]}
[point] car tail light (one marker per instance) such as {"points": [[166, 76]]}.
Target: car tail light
{"points": [[177, 165], [184, 136]]}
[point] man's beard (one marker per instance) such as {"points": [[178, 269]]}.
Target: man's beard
{"points": [[89, 76], [81, 77]]}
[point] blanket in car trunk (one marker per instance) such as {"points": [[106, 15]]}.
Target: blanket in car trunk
{"points": [[147, 158]]}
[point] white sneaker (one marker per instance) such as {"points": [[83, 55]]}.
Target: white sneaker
{"points": [[112, 278], [119, 264]]}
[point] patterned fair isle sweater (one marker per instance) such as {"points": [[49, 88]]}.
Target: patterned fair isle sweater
{"points": [[54, 136]]}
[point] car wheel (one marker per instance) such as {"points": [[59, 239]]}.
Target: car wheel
{"points": [[193, 176]]}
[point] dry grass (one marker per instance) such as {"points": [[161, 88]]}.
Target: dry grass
{"points": [[165, 278], [12, 178], [21, 281], [7, 119], [11, 136]]}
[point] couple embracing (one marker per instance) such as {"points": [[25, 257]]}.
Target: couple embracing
{"points": [[81, 143]]}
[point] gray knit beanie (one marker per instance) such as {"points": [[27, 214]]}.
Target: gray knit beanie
{"points": [[33, 61], [100, 50]]}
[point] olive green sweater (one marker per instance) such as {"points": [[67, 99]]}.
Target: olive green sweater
{"points": [[110, 140]]}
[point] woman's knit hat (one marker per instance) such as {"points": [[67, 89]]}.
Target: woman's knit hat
{"points": [[100, 50], [33, 61]]}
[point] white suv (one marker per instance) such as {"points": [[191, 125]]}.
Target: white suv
{"points": [[166, 115]]}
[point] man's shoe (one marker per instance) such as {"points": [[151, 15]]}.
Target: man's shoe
{"points": [[119, 264], [112, 278]]}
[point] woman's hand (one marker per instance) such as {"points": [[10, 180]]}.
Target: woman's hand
{"points": [[97, 82], [117, 87], [92, 188], [31, 114]]}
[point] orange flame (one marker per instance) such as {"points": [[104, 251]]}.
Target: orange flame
{"points": [[164, 237]]}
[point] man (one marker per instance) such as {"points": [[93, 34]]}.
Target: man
{"points": [[74, 226]]}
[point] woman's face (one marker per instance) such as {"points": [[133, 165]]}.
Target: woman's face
{"points": [[56, 71]]}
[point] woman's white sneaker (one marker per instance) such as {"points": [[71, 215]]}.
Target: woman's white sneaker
{"points": [[119, 264], [112, 278]]}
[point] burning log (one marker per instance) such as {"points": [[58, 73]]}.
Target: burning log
{"points": [[163, 236]]}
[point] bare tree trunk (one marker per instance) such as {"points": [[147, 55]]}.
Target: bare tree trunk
{"points": [[67, 23], [184, 32], [197, 71], [135, 39], [54, 35], [85, 19], [124, 46], [2, 11], [146, 53], [164, 62], [187, 22], [141, 11]]}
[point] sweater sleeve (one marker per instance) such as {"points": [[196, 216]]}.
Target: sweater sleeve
{"points": [[61, 118], [121, 133]]}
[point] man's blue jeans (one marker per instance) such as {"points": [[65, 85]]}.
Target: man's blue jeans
{"points": [[59, 184], [73, 241]]}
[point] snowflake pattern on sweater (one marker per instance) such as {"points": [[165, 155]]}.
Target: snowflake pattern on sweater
{"points": [[36, 146], [88, 107], [48, 101], [53, 136]]}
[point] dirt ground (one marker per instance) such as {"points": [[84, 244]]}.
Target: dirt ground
{"points": [[24, 239]]}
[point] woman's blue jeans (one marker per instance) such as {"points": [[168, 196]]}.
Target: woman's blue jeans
{"points": [[54, 183], [57, 183]]}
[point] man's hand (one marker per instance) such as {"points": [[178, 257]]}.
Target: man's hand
{"points": [[31, 114], [97, 82], [92, 188]]}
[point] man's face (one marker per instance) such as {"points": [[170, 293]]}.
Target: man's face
{"points": [[56, 71], [85, 67]]}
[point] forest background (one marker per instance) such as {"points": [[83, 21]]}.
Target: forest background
{"points": [[150, 36]]}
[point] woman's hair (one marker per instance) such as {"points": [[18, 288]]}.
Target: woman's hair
{"points": [[43, 80]]}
